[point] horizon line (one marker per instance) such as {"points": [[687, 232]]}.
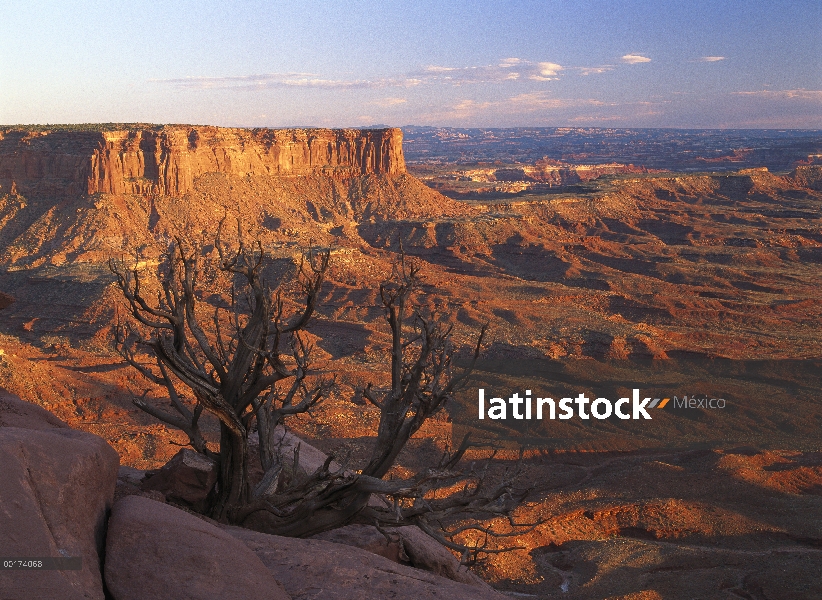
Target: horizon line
{"points": [[408, 126]]}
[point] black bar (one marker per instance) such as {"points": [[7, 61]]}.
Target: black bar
{"points": [[38, 563]]}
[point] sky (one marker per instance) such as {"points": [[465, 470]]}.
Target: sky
{"points": [[473, 63]]}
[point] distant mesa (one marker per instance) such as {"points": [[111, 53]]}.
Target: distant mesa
{"points": [[167, 159], [809, 176]]}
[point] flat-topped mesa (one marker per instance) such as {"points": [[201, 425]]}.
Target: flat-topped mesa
{"points": [[167, 159]]}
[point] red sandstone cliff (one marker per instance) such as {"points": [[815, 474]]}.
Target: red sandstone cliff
{"points": [[168, 159]]}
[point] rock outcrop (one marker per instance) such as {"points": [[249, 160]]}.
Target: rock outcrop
{"points": [[56, 495], [404, 545], [167, 159], [809, 176], [316, 569], [555, 173], [186, 479], [57, 488], [15, 412], [154, 550], [368, 538]]}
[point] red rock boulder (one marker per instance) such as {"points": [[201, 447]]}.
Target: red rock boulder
{"points": [[15, 412], [317, 569], [368, 538], [187, 479], [154, 550], [408, 545], [56, 487]]}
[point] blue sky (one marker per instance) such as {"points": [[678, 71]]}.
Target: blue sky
{"points": [[752, 64]]}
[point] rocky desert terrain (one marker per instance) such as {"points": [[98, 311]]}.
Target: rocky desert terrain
{"points": [[696, 284]]}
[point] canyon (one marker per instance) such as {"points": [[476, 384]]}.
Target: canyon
{"points": [[486, 182], [654, 269]]}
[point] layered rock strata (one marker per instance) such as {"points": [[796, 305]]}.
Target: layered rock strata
{"points": [[167, 159]]}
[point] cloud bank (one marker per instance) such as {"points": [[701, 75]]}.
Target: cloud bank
{"points": [[284, 80], [799, 94], [511, 69]]}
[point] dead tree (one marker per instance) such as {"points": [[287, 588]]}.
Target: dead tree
{"points": [[423, 378], [233, 371], [231, 366]]}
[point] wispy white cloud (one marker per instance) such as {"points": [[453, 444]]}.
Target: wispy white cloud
{"points": [[510, 69], [545, 71], [595, 70], [712, 58], [510, 62], [526, 103], [633, 59], [597, 118], [285, 80], [615, 112], [549, 69], [545, 107], [473, 106], [543, 100], [799, 94], [390, 101]]}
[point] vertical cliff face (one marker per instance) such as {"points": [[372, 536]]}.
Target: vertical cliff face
{"points": [[167, 160]]}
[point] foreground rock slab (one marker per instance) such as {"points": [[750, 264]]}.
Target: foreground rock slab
{"points": [[56, 487], [404, 545], [368, 538], [319, 570], [156, 551]]}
